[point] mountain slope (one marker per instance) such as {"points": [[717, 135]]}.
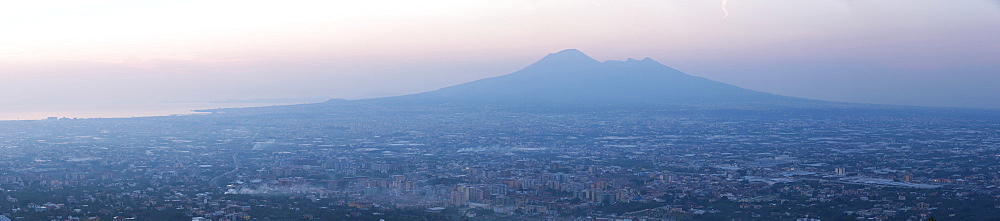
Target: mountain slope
{"points": [[570, 77]]}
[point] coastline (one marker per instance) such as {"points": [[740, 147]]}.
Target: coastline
{"points": [[118, 110]]}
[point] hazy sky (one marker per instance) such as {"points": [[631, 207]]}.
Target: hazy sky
{"points": [[916, 52]]}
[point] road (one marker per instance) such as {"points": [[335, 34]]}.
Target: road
{"points": [[236, 164]]}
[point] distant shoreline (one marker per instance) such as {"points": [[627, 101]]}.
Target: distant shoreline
{"points": [[119, 110]]}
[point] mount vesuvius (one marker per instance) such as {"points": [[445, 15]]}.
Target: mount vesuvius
{"points": [[570, 77]]}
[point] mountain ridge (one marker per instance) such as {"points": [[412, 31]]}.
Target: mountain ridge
{"points": [[570, 77]]}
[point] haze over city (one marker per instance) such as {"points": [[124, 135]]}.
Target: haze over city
{"points": [[925, 53], [584, 110]]}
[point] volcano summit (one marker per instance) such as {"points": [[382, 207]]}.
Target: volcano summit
{"points": [[570, 77]]}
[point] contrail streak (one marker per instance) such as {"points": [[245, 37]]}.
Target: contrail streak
{"points": [[724, 9]]}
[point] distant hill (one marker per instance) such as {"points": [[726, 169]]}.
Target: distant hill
{"points": [[572, 78]]}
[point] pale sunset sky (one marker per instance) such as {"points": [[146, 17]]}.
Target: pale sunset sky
{"points": [[909, 52]]}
